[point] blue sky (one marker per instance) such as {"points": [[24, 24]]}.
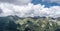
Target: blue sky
{"points": [[45, 3]]}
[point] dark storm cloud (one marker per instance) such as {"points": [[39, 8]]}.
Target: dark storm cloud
{"points": [[17, 2], [1, 11]]}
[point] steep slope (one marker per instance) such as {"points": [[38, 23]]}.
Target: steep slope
{"points": [[8, 23]]}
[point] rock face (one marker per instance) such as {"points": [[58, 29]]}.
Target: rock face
{"points": [[58, 19], [29, 24]]}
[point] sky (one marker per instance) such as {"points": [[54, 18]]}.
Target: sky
{"points": [[47, 3], [30, 8]]}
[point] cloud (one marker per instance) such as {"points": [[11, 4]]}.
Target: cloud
{"points": [[51, 1], [29, 10], [54, 11], [17, 2], [21, 11], [0, 10]]}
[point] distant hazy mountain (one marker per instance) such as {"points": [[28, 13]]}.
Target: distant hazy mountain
{"points": [[8, 23]]}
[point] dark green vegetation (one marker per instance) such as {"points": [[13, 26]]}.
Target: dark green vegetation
{"points": [[14, 23], [40, 24]]}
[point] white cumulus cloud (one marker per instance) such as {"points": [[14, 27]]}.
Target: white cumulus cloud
{"points": [[29, 10]]}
